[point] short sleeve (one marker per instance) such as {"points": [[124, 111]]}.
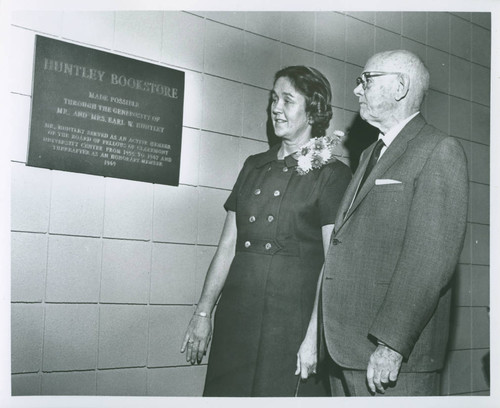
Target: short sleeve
{"points": [[231, 202], [332, 191]]}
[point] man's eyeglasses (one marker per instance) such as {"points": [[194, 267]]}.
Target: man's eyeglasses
{"points": [[365, 76]]}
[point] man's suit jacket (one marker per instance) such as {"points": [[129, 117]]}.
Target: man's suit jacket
{"points": [[393, 252]]}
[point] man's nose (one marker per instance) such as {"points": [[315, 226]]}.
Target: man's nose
{"points": [[358, 91]]}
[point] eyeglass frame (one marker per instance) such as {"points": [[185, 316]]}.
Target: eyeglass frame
{"points": [[362, 79]]}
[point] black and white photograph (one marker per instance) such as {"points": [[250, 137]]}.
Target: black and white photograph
{"points": [[217, 203]]}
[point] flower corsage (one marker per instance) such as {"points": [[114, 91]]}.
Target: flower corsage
{"points": [[317, 152]]}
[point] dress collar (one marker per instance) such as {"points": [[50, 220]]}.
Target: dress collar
{"points": [[272, 155]]}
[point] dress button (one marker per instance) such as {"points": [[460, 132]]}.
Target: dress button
{"points": [[268, 246], [270, 218], [247, 244], [251, 219], [285, 169], [277, 193], [269, 168], [257, 192]]}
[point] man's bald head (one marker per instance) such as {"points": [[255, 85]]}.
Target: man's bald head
{"points": [[407, 63]]}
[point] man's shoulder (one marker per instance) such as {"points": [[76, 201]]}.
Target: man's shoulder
{"points": [[433, 132], [432, 136], [433, 141]]}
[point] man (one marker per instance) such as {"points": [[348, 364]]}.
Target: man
{"points": [[384, 296]]}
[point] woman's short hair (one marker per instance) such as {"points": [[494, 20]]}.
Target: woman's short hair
{"points": [[316, 89]]}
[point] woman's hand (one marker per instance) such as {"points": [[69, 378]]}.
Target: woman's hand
{"points": [[199, 331], [197, 338], [307, 357]]}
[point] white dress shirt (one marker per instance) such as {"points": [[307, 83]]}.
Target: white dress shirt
{"points": [[391, 134]]}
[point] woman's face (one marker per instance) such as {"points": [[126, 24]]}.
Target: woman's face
{"points": [[288, 111]]}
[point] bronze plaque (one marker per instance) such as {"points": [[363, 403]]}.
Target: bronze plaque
{"points": [[99, 113]]}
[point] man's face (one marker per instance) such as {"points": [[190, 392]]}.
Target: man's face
{"points": [[376, 94]]}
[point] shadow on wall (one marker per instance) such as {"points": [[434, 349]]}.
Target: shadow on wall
{"points": [[455, 329], [486, 367], [452, 288], [486, 363], [359, 136]]}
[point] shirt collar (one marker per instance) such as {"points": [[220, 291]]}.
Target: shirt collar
{"points": [[391, 134]]}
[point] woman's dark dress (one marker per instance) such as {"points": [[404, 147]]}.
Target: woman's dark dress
{"points": [[266, 304]]}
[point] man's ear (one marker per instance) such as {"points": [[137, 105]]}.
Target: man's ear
{"points": [[403, 86]]}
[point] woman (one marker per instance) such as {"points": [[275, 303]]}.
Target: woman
{"points": [[280, 216]]}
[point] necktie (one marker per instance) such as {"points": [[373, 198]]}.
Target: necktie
{"points": [[373, 160], [371, 163]]}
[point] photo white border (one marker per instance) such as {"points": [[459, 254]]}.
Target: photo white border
{"points": [[7, 6]]}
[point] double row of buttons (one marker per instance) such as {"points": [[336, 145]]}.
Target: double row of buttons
{"points": [[285, 169], [276, 193], [270, 218], [268, 245]]}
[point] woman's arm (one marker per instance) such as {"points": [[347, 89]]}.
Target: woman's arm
{"points": [[313, 323], [199, 330], [327, 231], [312, 329], [307, 355], [219, 267]]}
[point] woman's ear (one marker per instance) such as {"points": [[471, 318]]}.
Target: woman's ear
{"points": [[403, 86], [317, 107]]}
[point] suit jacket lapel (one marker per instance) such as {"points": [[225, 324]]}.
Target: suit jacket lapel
{"points": [[393, 152], [353, 186]]}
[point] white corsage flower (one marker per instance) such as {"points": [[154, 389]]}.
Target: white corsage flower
{"points": [[317, 152], [304, 164]]}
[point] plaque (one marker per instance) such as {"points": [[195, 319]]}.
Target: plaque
{"points": [[99, 113]]}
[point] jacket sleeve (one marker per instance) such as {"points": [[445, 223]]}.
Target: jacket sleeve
{"points": [[433, 241]]}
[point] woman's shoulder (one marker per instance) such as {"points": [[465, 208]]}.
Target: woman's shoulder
{"points": [[337, 166], [258, 159]]}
